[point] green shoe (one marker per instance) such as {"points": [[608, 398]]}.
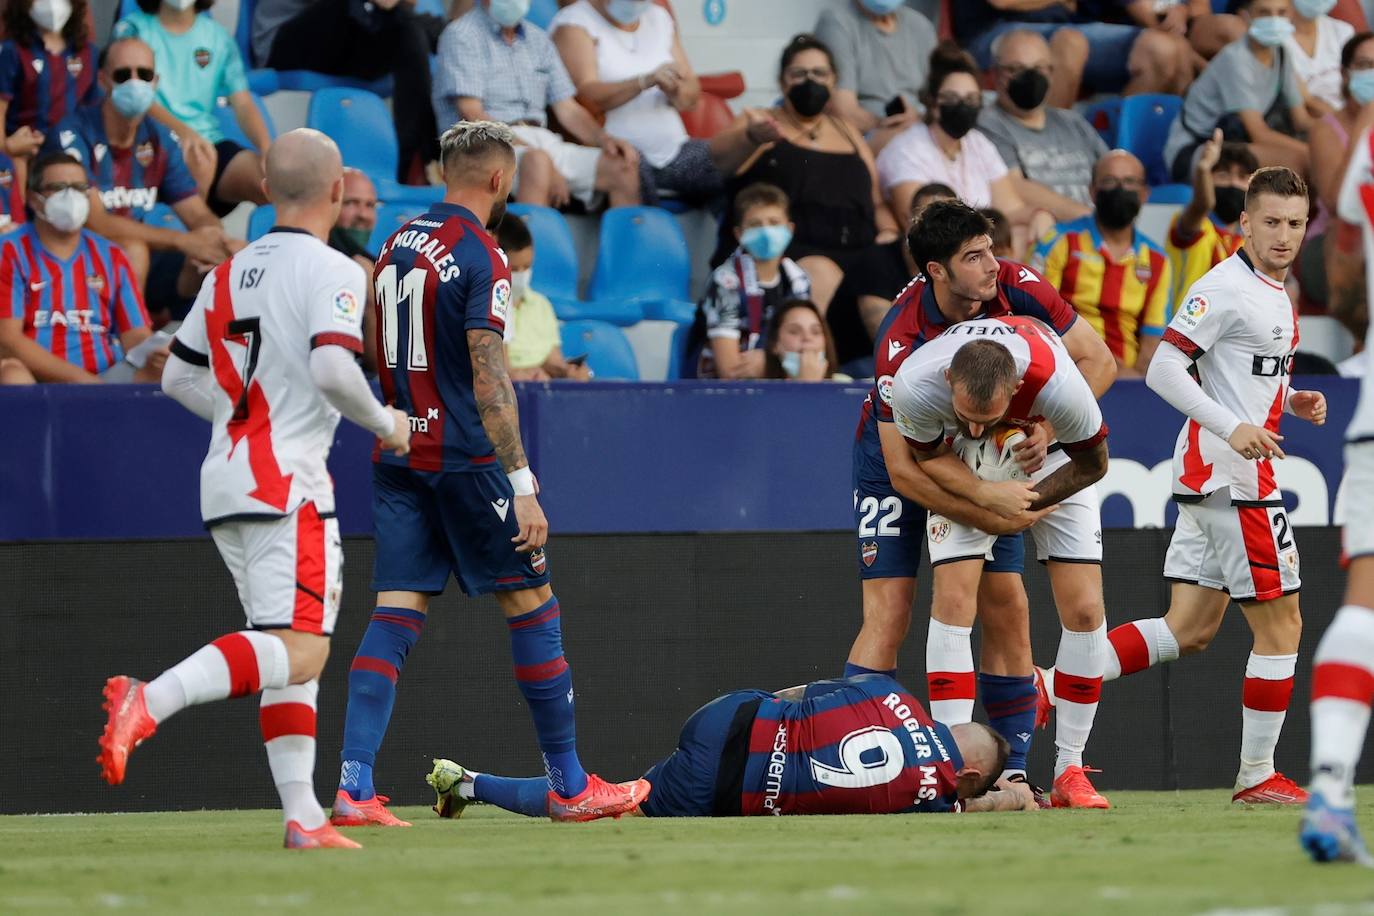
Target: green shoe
{"points": [[445, 779]]}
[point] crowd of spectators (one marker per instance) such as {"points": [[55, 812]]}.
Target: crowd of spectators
{"points": [[874, 116]]}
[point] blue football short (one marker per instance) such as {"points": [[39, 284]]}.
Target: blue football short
{"points": [[684, 783], [430, 524]]}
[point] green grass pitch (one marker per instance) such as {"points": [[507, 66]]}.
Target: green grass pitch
{"points": [[1156, 853]]}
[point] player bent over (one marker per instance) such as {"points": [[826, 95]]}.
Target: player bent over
{"points": [[267, 355], [976, 377], [1233, 541], [1343, 669], [858, 745], [462, 503]]}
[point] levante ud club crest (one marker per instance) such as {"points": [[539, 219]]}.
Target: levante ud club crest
{"points": [[869, 552]]}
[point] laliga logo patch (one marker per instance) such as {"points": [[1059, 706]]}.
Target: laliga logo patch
{"points": [[500, 299], [885, 388], [869, 551], [345, 307], [1193, 311], [939, 530], [202, 57], [538, 562], [144, 154]]}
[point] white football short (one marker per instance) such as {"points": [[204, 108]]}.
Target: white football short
{"points": [[1070, 534], [577, 164], [1247, 551], [1355, 501], [288, 571]]}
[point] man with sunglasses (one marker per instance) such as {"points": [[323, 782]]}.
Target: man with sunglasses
{"points": [[134, 164], [69, 310]]}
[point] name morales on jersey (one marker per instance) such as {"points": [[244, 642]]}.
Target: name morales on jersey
{"points": [[428, 248]]}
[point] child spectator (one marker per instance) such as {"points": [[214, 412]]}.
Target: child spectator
{"points": [[799, 347], [1001, 234], [47, 69], [534, 349], [744, 292]]}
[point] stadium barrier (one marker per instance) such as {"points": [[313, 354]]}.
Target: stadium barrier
{"points": [[655, 625]]}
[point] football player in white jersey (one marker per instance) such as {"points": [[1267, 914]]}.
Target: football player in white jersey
{"points": [[1237, 330], [1343, 669], [977, 376], [267, 355]]}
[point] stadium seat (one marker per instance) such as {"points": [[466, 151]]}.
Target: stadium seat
{"points": [[555, 258], [359, 122], [230, 124], [1144, 126], [608, 352], [261, 220], [1171, 194], [643, 259], [678, 354], [390, 217], [1105, 117], [260, 79], [164, 217]]}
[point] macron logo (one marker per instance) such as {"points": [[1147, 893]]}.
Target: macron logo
{"points": [[1025, 276], [893, 348], [502, 506]]}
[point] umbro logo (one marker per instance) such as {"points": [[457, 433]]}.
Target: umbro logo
{"points": [[893, 348], [502, 507], [1278, 332]]}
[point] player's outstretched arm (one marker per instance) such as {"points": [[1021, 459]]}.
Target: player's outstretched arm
{"points": [[495, 397], [189, 384], [335, 372], [1084, 469]]}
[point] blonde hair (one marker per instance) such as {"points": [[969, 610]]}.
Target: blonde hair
{"points": [[467, 145]]}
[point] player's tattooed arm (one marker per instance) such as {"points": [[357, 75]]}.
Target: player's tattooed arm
{"points": [[1084, 469], [495, 397]]}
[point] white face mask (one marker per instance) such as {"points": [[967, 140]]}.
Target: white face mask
{"points": [[50, 15], [181, 4], [519, 285], [67, 210]]}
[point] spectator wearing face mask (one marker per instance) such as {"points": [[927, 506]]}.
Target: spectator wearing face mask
{"points": [[69, 307], [798, 347], [534, 346], [1316, 45], [47, 69], [1115, 278], [351, 236], [1207, 231]]}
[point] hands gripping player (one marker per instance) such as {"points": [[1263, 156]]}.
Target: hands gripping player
{"points": [[1233, 541], [962, 280], [443, 298], [267, 355], [1343, 669], [977, 376]]}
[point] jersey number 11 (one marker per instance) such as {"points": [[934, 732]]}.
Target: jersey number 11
{"points": [[390, 295]]}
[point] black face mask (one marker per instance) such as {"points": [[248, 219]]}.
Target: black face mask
{"points": [[809, 98], [958, 119], [1027, 89], [1117, 208], [1230, 204]]}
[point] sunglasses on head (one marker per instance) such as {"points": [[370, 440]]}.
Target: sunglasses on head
{"points": [[124, 74]]}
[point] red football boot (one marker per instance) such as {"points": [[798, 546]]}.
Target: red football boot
{"points": [[600, 799], [1043, 703], [1074, 790], [128, 726], [349, 812], [322, 837], [1276, 790]]}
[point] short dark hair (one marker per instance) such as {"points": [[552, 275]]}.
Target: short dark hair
{"points": [[947, 59], [47, 161], [1277, 180], [1236, 156], [931, 191], [759, 194], [151, 6], [1001, 227], [1348, 49], [513, 234], [984, 369], [802, 43], [944, 227]]}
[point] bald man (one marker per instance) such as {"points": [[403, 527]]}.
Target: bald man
{"points": [[352, 235], [1115, 278], [267, 356]]}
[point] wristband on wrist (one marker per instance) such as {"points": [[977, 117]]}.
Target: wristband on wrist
{"points": [[522, 481]]}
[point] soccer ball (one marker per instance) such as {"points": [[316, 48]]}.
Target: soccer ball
{"points": [[991, 458]]}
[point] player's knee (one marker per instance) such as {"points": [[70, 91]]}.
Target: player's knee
{"points": [[1082, 617], [307, 653], [1191, 642]]}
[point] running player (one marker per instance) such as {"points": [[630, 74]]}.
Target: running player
{"points": [[462, 503], [860, 745], [962, 280], [1343, 669], [1233, 541], [977, 376], [267, 355]]}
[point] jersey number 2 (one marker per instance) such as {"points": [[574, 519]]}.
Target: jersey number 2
{"points": [[390, 295], [856, 773]]}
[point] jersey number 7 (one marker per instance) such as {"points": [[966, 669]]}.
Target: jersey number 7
{"points": [[390, 295]]}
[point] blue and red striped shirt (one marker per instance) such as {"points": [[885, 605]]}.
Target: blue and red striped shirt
{"points": [[11, 194], [130, 180], [75, 308], [438, 277], [43, 88], [861, 745]]}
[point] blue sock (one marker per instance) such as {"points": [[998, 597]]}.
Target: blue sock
{"points": [[536, 645], [529, 797], [1010, 703], [371, 692], [853, 670]]}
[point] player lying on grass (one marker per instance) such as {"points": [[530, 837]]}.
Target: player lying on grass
{"points": [[860, 745]]}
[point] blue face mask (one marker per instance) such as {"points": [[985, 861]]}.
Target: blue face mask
{"points": [[1311, 9], [132, 98], [626, 12], [766, 242], [1362, 86], [880, 7], [509, 12], [1270, 31]]}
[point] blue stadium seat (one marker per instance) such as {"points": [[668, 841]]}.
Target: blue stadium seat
{"points": [[608, 352], [266, 82], [1171, 194], [1105, 117], [643, 259], [390, 217], [677, 354], [555, 255], [360, 123], [164, 217], [1144, 126], [542, 12], [260, 220], [230, 125]]}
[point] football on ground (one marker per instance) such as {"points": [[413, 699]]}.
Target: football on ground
{"points": [[991, 458], [1129, 860]]}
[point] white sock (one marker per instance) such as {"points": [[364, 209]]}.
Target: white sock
{"points": [[949, 673], [287, 719], [467, 786], [1138, 645], [1077, 686], [233, 665], [1268, 686], [1342, 685]]}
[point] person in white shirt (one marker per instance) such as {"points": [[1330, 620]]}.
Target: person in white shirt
{"points": [[267, 355], [1315, 46]]}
